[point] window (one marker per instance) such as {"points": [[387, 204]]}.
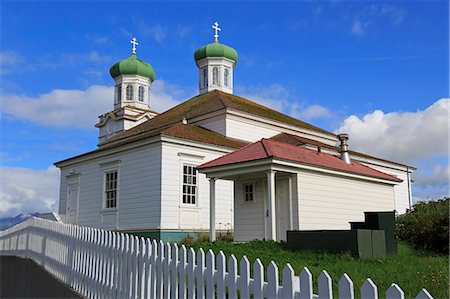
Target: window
{"points": [[129, 92], [141, 93], [111, 189], [248, 192], [205, 77], [226, 77], [189, 184], [215, 75], [119, 93]]}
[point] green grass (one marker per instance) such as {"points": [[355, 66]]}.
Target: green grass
{"points": [[411, 269]]}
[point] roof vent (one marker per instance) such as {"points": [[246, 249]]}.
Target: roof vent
{"points": [[343, 138]]}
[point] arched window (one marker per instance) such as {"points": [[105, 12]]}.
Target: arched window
{"points": [[215, 75], [141, 93], [205, 77], [226, 77], [129, 92], [119, 93]]}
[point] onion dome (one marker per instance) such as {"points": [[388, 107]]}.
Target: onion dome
{"points": [[216, 49], [133, 66]]}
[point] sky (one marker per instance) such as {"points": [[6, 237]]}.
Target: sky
{"points": [[376, 70]]}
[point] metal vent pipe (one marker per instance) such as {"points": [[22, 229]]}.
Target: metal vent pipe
{"points": [[343, 138]]}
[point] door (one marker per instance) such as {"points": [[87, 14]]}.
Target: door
{"points": [[282, 208], [72, 203]]}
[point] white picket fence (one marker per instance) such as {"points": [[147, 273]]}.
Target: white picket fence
{"points": [[103, 264]]}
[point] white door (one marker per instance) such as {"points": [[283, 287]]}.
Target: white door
{"points": [[72, 203], [282, 208]]}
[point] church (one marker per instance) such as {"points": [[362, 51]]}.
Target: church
{"points": [[219, 163]]}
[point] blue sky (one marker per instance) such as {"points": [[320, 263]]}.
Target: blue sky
{"points": [[371, 68]]}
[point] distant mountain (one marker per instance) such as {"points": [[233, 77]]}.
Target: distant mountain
{"points": [[11, 221]]}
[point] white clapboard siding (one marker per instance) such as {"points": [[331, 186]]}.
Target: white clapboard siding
{"points": [[104, 264], [175, 214], [331, 201], [138, 196]]}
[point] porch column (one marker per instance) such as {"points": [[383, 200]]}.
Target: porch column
{"points": [[271, 205], [212, 209], [291, 220]]}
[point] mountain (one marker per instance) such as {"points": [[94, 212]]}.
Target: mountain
{"points": [[11, 221]]}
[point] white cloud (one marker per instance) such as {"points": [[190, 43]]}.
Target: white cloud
{"points": [[24, 190], [400, 136], [10, 61], [80, 108], [415, 138], [431, 184], [358, 28], [314, 111], [60, 108], [157, 31], [9, 58], [438, 177], [277, 97]]}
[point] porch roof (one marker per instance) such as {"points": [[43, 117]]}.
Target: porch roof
{"points": [[267, 148]]}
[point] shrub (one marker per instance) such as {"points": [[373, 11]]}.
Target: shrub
{"points": [[426, 226]]}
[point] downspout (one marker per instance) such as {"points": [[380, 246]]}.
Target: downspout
{"points": [[409, 187]]}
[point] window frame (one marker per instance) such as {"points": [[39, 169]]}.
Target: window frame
{"points": [[205, 77], [215, 68], [226, 77], [141, 92], [195, 175], [110, 189], [129, 95], [119, 93], [109, 167], [244, 192]]}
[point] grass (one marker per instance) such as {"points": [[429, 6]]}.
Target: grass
{"points": [[411, 269]]}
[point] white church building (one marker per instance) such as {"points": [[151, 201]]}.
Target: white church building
{"points": [[219, 162]]}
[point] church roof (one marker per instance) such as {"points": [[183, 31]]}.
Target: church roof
{"points": [[133, 66], [179, 130], [206, 103], [297, 140], [216, 49], [266, 148]]}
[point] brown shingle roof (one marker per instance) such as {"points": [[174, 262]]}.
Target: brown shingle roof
{"points": [[179, 130], [210, 102], [297, 140]]}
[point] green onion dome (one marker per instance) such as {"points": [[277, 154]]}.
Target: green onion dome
{"points": [[133, 66], [216, 50]]}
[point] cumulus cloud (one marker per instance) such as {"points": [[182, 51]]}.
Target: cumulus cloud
{"points": [[60, 108], [400, 136], [24, 190], [416, 138], [80, 108], [277, 97]]}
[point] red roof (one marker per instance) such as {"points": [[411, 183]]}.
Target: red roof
{"points": [[267, 148]]}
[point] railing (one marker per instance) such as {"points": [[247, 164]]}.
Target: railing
{"points": [[103, 264]]}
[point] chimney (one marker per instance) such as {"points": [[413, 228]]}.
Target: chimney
{"points": [[343, 138]]}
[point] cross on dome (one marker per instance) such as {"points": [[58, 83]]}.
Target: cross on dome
{"points": [[216, 31], [134, 43]]}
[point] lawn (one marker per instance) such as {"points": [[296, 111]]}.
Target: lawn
{"points": [[411, 269]]}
